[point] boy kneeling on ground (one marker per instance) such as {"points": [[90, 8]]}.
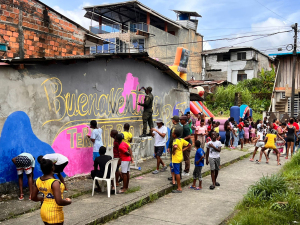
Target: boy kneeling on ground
{"points": [[177, 158]]}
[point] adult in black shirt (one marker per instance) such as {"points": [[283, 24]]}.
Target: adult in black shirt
{"points": [[100, 163], [186, 136]]}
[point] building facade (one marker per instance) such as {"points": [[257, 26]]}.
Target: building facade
{"points": [[47, 106], [281, 98], [133, 27], [31, 29], [234, 64]]}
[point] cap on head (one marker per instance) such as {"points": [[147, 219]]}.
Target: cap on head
{"points": [[176, 118], [159, 120], [149, 89]]}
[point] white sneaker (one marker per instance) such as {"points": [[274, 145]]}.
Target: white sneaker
{"points": [[185, 174]]}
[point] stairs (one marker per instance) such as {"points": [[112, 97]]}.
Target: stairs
{"points": [[280, 105]]}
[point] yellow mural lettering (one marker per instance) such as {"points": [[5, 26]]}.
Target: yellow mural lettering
{"points": [[71, 132], [83, 104], [79, 140], [87, 142]]}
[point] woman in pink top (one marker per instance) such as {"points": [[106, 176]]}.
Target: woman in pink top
{"points": [[198, 122], [201, 131], [246, 135]]}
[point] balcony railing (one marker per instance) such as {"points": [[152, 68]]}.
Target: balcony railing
{"points": [[117, 28]]}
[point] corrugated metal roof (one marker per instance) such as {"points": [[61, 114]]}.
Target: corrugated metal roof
{"points": [[137, 56], [116, 18], [231, 49], [285, 53], [206, 82]]}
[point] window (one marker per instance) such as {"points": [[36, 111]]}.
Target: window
{"points": [[223, 57], [241, 77], [241, 55]]}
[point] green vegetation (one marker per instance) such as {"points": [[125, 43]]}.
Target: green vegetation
{"points": [[255, 92], [132, 190], [273, 199]]}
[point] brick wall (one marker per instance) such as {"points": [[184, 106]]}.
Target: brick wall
{"points": [[32, 30]]}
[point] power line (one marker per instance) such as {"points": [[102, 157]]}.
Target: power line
{"points": [[224, 28], [272, 11], [220, 39]]}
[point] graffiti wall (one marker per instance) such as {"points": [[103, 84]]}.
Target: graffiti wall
{"points": [[47, 108]]}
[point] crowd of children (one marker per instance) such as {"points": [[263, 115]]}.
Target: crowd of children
{"points": [[263, 134]]}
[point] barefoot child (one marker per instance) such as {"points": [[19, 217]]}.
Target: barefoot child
{"points": [[126, 157], [213, 158], [258, 141], [177, 157], [199, 163]]}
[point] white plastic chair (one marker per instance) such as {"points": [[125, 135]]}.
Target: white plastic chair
{"points": [[113, 168]]}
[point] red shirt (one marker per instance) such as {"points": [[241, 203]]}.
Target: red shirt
{"points": [[241, 125], [275, 126], [123, 147], [116, 149], [209, 128]]}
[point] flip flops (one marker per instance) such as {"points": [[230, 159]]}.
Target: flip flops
{"points": [[218, 184], [191, 187], [212, 187], [21, 198], [197, 189]]}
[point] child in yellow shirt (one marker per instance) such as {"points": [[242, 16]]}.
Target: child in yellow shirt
{"points": [[177, 158]]}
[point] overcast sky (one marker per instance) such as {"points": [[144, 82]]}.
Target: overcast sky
{"points": [[220, 19]]}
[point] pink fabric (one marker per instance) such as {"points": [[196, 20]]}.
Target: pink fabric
{"points": [[246, 129], [201, 130]]}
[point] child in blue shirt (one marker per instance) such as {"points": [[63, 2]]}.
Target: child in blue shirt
{"points": [[199, 163]]}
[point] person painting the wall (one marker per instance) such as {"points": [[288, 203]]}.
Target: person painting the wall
{"points": [[24, 162], [148, 111], [60, 162], [52, 195], [127, 135], [160, 137], [96, 138]]}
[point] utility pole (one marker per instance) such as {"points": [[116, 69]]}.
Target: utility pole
{"points": [[295, 27]]}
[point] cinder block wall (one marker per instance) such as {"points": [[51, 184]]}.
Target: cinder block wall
{"points": [[32, 30]]}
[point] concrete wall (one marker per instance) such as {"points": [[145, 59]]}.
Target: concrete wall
{"points": [[166, 54], [24, 28], [228, 70], [46, 109]]}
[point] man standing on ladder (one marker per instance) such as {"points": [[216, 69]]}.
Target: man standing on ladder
{"points": [[148, 111]]}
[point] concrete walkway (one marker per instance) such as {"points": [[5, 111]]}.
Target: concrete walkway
{"points": [[87, 209], [205, 206]]}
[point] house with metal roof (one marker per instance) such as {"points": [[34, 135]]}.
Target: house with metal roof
{"points": [[132, 27], [282, 91], [234, 64]]}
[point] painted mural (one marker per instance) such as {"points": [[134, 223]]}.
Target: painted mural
{"points": [[73, 113], [17, 137]]}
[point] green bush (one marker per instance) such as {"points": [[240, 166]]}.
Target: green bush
{"points": [[267, 188]]}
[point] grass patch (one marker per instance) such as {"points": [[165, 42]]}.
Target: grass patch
{"points": [[132, 190], [273, 199]]}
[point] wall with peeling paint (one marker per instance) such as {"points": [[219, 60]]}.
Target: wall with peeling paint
{"points": [[59, 100], [228, 70]]}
